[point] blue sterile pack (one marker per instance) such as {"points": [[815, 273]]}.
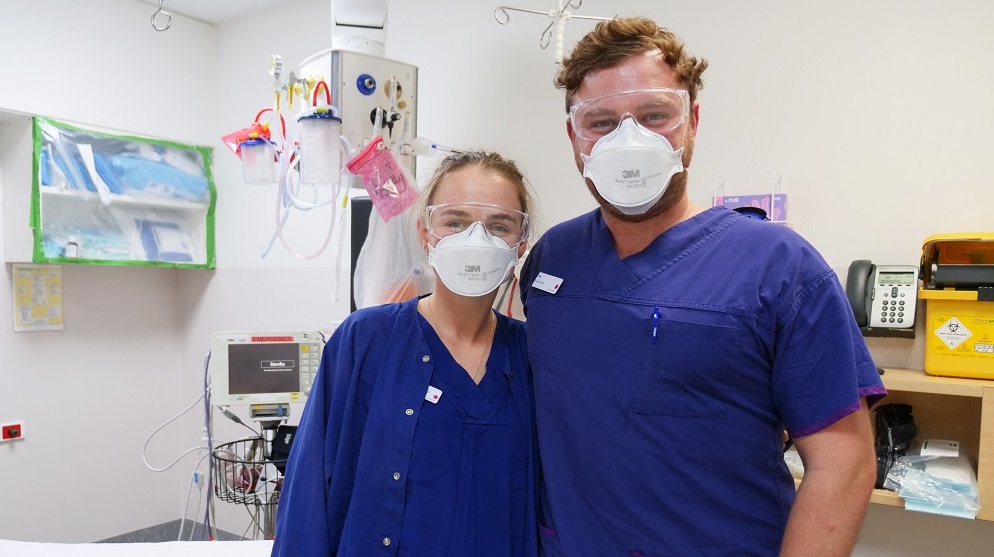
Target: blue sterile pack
{"points": [[118, 199], [938, 480], [89, 161], [137, 174]]}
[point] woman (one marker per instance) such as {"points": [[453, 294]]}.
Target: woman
{"points": [[418, 436]]}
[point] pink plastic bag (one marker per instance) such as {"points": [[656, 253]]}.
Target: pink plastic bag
{"points": [[387, 181]]}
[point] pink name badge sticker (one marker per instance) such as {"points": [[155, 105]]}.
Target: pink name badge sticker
{"points": [[547, 283], [433, 395]]}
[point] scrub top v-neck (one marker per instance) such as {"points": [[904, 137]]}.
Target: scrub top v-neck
{"points": [[468, 474]]}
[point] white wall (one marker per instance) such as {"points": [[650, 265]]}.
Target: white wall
{"points": [[131, 354], [90, 394], [876, 115]]}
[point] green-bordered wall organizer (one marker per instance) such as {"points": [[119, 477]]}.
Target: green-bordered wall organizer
{"points": [[106, 199]]}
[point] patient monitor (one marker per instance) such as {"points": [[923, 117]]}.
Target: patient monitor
{"points": [[264, 370]]}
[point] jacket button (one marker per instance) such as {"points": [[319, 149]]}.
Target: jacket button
{"points": [[409, 411], [396, 475], [386, 541], [425, 358]]}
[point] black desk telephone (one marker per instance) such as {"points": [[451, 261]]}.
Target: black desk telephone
{"points": [[883, 298]]}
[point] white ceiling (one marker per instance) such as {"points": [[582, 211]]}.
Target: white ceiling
{"points": [[209, 11]]}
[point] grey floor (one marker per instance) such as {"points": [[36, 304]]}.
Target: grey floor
{"points": [[168, 532]]}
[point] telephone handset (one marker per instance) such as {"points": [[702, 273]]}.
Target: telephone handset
{"points": [[882, 296]]}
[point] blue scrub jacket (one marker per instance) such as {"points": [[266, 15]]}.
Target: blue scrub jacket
{"points": [[664, 382], [339, 496]]}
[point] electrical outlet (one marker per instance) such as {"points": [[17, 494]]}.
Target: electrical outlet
{"points": [[11, 431]]}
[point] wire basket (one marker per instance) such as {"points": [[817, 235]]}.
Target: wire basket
{"points": [[242, 473]]}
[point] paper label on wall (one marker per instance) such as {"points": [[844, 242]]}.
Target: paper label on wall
{"points": [[953, 333], [37, 298]]}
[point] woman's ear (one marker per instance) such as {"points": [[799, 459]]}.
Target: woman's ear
{"points": [[422, 235]]}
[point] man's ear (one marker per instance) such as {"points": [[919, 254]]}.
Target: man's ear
{"points": [[695, 117]]}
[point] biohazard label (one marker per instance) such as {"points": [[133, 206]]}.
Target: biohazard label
{"points": [[953, 333]]}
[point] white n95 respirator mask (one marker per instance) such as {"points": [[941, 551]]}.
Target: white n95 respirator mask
{"points": [[631, 167], [472, 262]]}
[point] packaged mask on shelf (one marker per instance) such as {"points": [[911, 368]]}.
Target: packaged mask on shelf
{"points": [[936, 482]]}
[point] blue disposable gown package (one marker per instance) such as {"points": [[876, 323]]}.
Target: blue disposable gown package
{"points": [[943, 485], [156, 178]]}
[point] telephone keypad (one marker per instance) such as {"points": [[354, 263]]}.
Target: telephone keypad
{"points": [[892, 311]]}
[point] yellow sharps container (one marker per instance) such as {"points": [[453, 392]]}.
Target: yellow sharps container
{"points": [[957, 272]]}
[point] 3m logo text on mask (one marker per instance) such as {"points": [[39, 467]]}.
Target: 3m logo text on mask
{"points": [[616, 163], [450, 255]]}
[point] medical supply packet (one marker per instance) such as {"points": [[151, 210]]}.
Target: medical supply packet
{"points": [[389, 184], [939, 480]]}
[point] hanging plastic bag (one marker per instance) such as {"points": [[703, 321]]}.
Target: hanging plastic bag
{"points": [[389, 184], [390, 267]]}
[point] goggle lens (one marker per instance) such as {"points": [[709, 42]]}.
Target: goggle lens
{"points": [[658, 110], [452, 218]]}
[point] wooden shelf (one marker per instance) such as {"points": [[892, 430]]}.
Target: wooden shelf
{"points": [[947, 408], [886, 497], [917, 381]]}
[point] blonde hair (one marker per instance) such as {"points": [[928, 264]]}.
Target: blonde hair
{"points": [[485, 160]]}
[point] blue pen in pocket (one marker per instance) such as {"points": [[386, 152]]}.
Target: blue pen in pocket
{"points": [[655, 324]]}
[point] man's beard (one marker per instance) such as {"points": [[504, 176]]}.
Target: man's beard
{"points": [[675, 191]]}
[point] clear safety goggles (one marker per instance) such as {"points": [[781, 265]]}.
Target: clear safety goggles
{"points": [[658, 110], [452, 218]]}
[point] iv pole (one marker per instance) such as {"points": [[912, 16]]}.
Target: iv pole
{"points": [[556, 27]]}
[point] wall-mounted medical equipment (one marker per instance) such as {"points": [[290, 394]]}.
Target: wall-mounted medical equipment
{"points": [[359, 26], [352, 100], [264, 370], [390, 186], [957, 273], [884, 298], [424, 147], [378, 101], [256, 149], [321, 141], [376, 97]]}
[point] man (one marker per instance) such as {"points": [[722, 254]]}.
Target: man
{"points": [[672, 345]]}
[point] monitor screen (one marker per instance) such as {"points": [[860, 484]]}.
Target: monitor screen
{"points": [[260, 368], [264, 367]]}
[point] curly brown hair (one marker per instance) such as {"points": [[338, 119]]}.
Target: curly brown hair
{"points": [[614, 40]]}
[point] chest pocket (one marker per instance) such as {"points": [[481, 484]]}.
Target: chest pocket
{"points": [[688, 371]]}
